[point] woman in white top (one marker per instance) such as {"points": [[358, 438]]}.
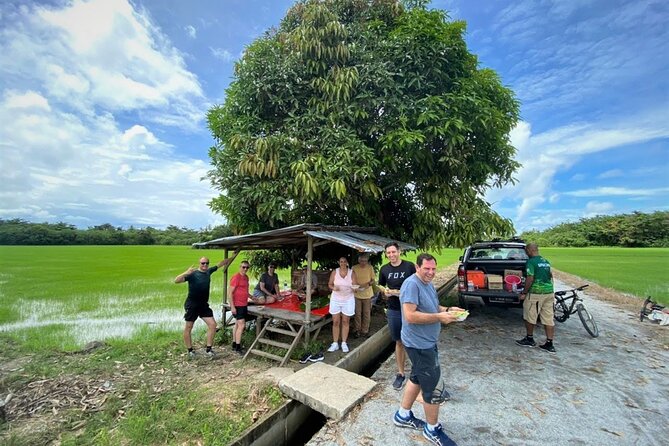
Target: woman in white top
{"points": [[342, 303]]}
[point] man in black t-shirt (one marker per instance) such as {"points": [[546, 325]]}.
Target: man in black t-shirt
{"points": [[391, 277], [197, 302]]}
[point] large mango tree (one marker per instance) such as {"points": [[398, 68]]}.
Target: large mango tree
{"points": [[364, 112]]}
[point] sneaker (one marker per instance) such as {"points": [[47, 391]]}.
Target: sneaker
{"points": [[210, 354], [526, 342], [438, 436], [399, 381], [316, 357], [344, 347], [411, 422], [548, 347], [333, 347], [192, 355], [305, 358], [240, 350]]}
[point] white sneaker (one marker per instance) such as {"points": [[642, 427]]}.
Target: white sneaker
{"points": [[334, 347], [344, 347]]}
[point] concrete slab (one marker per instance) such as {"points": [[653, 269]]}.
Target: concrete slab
{"points": [[276, 374], [326, 389]]}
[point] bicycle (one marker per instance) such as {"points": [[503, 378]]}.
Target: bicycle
{"points": [[562, 309], [649, 307]]}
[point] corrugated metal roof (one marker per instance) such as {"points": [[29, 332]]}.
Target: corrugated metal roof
{"points": [[359, 238]]}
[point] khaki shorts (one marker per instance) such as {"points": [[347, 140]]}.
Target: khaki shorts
{"points": [[538, 307]]}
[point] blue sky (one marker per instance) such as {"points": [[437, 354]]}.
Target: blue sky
{"points": [[103, 104]]}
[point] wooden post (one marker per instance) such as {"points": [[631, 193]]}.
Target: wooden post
{"points": [[225, 289], [307, 309]]}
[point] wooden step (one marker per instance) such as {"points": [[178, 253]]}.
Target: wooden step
{"points": [[274, 343], [266, 355], [281, 330]]}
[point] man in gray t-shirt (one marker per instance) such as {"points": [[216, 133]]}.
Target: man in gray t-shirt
{"points": [[422, 317]]}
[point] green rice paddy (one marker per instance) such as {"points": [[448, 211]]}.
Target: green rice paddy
{"points": [[80, 293]]}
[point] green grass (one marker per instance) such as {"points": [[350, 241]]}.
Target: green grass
{"points": [[638, 271]]}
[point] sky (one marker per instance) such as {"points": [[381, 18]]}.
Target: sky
{"points": [[103, 105]]}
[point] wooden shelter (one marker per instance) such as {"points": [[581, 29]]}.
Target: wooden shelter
{"points": [[310, 236]]}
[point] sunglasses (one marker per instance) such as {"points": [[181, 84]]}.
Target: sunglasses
{"points": [[204, 263], [245, 267]]}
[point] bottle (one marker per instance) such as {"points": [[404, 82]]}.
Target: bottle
{"points": [[470, 286], [285, 286], [514, 287]]}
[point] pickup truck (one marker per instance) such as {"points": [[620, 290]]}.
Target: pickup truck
{"points": [[483, 274]]}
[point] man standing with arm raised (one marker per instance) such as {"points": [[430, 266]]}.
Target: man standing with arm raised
{"points": [[422, 317], [391, 276], [197, 302]]}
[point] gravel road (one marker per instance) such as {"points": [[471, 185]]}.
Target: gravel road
{"points": [[610, 390]]}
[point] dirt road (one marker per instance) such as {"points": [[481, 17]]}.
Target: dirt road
{"points": [[612, 390]]}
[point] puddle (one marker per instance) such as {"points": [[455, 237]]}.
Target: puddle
{"points": [[110, 320]]}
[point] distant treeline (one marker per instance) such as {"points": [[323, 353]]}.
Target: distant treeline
{"points": [[20, 232], [627, 230]]}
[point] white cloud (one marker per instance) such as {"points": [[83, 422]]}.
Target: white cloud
{"points": [[613, 173], [594, 208], [191, 31], [617, 192], [101, 54], [221, 53], [546, 154], [84, 89], [565, 52]]}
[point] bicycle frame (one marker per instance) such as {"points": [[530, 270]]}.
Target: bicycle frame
{"points": [[562, 309], [561, 299]]}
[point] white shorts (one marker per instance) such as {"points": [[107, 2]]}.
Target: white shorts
{"points": [[347, 307]]}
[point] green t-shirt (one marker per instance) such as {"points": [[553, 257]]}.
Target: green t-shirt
{"points": [[540, 268]]}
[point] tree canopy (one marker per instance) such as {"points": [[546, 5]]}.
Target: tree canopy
{"points": [[364, 112], [635, 230]]}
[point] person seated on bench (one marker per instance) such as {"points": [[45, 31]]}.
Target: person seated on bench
{"points": [[302, 285], [267, 290]]}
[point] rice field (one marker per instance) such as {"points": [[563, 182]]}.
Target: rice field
{"points": [[83, 293], [64, 296]]}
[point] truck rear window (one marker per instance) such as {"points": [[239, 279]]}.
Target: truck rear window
{"points": [[497, 253]]}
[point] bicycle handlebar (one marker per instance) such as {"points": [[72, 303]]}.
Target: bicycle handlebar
{"points": [[573, 290]]}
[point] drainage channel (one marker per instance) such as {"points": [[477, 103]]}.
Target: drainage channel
{"points": [[294, 423]]}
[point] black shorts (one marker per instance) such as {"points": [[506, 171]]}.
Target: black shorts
{"points": [[195, 311], [425, 370], [242, 312]]}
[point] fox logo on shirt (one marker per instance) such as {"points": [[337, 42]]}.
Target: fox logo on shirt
{"points": [[399, 275]]}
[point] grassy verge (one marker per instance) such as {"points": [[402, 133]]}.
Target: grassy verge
{"points": [[140, 390]]}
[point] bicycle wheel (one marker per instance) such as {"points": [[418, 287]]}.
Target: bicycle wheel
{"points": [[560, 311], [587, 320]]}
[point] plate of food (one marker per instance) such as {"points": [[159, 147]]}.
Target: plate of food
{"points": [[460, 315], [388, 291]]}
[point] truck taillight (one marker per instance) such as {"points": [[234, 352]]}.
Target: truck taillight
{"points": [[461, 278]]}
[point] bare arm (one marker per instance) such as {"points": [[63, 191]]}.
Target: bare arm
{"points": [[413, 316], [529, 280], [331, 284], [182, 277], [229, 260], [231, 301], [354, 278]]}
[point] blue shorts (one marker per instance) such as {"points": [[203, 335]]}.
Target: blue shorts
{"points": [[394, 324], [425, 370]]}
